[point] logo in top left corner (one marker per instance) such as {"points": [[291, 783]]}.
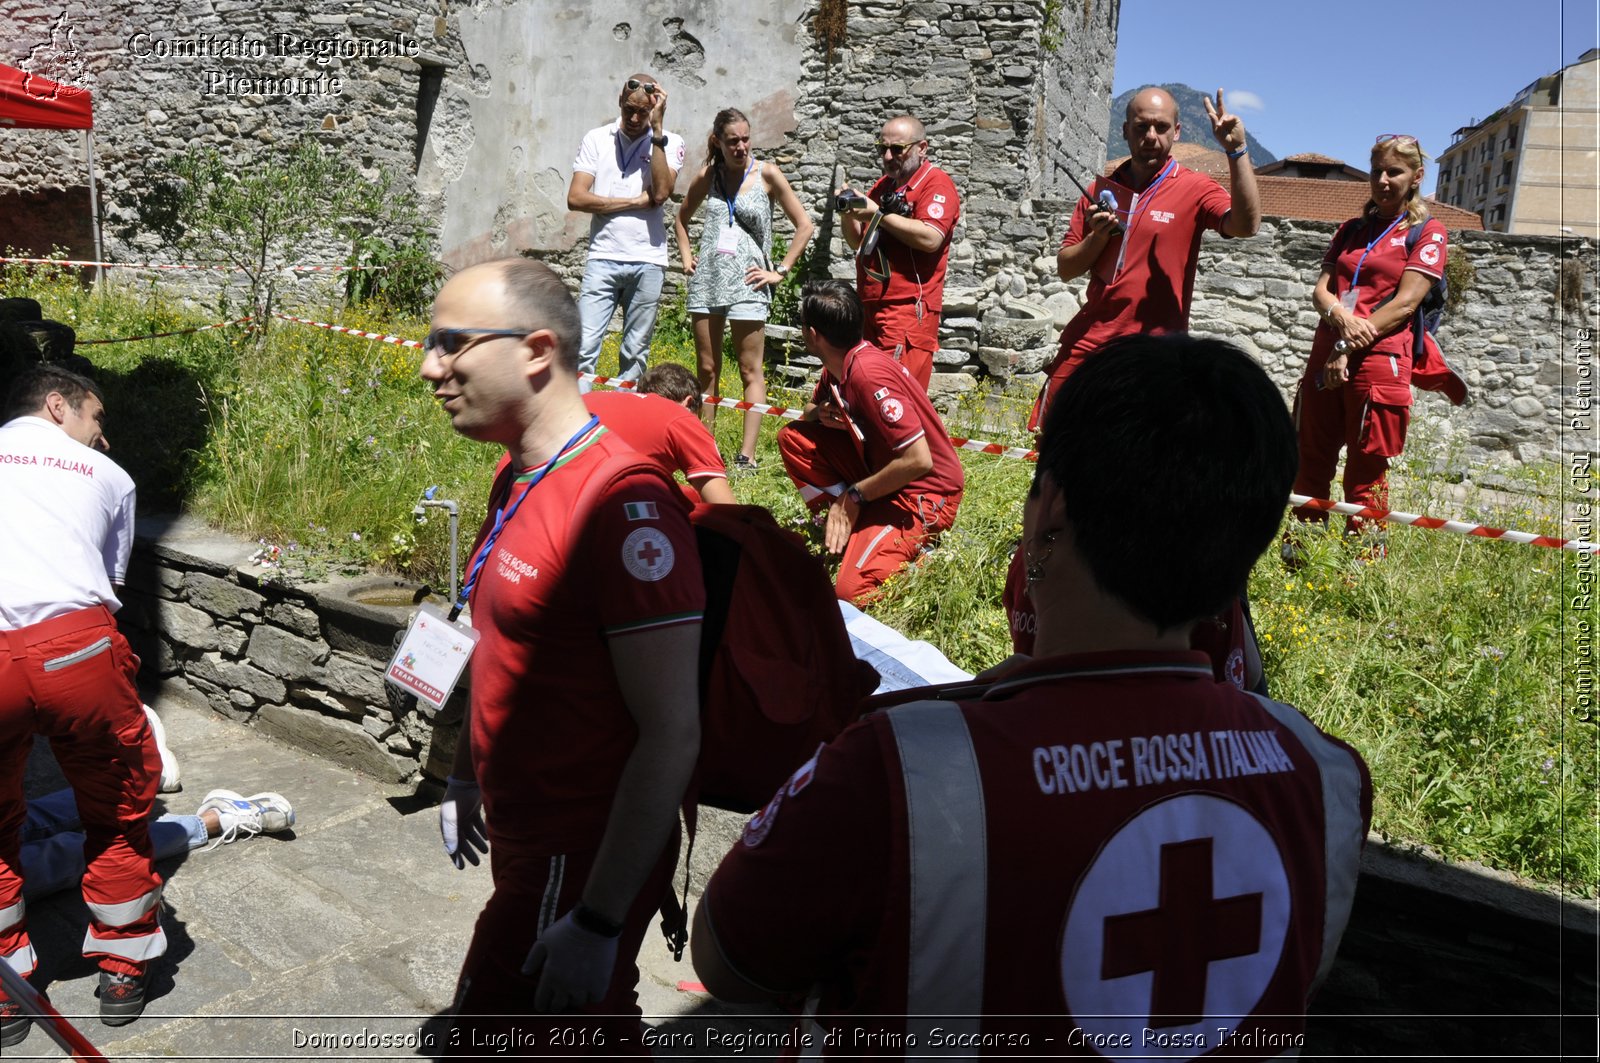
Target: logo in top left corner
{"points": [[58, 67]]}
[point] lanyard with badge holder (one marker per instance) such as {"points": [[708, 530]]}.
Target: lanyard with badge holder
{"points": [[436, 647], [642, 144], [728, 238], [1133, 211], [1352, 294]]}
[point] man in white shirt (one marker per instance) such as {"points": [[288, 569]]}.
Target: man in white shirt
{"points": [[66, 533], [623, 174]]}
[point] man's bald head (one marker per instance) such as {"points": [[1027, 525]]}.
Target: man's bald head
{"points": [[1153, 99], [524, 293], [904, 129]]}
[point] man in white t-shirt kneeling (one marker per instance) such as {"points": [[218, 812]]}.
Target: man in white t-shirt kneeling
{"points": [[623, 174]]}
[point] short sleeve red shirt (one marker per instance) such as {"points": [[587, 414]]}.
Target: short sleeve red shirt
{"points": [[891, 413], [817, 892], [896, 273], [661, 430], [1382, 268], [1144, 279], [550, 731]]}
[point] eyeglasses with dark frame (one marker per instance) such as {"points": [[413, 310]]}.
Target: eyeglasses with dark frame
{"points": [[896, 150], [452, 341]]}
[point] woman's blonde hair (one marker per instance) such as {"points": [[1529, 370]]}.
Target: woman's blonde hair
{"points": [[1409, 152]]}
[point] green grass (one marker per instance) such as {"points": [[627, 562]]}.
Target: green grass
{"points": [[1447, 665]]}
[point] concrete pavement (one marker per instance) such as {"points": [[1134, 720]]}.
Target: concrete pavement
{"points": [[293, 946]]}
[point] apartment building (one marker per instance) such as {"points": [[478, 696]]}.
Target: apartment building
{"points": [[1532, 166]]}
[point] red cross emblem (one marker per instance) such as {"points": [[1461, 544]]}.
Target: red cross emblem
{"points": [[1177, 925], [647, 554], [1178, 940]]}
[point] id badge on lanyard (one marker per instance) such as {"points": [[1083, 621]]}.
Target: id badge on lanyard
{"points": [[431, 657]]}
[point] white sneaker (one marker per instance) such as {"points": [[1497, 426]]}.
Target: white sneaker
{"points": [[170, 783], [240, 816]]}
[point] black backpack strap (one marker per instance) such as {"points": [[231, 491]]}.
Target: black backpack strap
{"points": [[1418, 328]]}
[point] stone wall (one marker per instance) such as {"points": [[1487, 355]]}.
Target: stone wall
{"points": [[304, 664], [1505, 336], [235, 75]]}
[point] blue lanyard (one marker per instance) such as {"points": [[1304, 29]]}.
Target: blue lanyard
{"points": [[502, 516], [1370, 246], [735, 194], [639, 145], [1148, 194]]}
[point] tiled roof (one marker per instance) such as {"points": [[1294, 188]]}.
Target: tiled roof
{"points": [[1311, 156], [1305, 198]]}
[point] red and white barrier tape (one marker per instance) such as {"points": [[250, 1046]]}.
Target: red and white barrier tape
{"points": [[177, 265], [1456, 527], [978, 445], [382, 337], [159, 335]]}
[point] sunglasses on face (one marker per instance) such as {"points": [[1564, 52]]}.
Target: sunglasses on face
{"points": [[896, 150], [452, 341], [634, 85]]}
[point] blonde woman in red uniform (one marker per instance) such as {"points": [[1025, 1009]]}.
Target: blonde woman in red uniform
{"points": [[1356, 391]]}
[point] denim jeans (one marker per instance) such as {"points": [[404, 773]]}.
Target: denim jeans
{"points": [[637, 286]]}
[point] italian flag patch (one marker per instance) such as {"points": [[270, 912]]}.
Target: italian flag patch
{"points": [[640, 511]]}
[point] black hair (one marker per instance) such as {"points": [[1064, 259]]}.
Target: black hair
{"points": [[833, 308], [673, 381], [1174, 456], [34, 384]]}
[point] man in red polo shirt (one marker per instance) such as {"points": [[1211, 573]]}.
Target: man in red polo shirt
{"points": [[870, 447], [1100, 851], [667, 430], [578, 754], [901, 237], [1142, 255]]}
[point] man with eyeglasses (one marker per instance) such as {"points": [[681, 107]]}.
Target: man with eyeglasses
{"points": [[583, 727], [1142, 252], [623, 173], [900, 231]]}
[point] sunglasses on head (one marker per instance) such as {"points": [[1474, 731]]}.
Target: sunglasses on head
{"points": [[1384, 138], [452, 341], [896, 150], [634, 85]]}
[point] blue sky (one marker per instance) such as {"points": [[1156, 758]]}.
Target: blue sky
{"points": [[1330, 77]]}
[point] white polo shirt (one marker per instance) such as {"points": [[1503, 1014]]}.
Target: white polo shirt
{"points": [[66, 524], [621, 168]]}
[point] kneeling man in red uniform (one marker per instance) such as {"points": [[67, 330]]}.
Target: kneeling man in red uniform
{"points": [[870, 447], [1103, 846], [584, 724]]}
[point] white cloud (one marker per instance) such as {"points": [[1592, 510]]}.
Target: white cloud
{"points": [[1242, 100]]}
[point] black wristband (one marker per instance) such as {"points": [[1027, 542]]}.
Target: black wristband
{"points": [[594, 922], [660, 141]]}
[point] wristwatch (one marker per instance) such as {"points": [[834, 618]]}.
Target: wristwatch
{"points": [[781, 270], [660, 141], [853, 493]]}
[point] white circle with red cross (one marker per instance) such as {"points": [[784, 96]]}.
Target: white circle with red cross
{"points": [[1176, 929], [647, 554]]}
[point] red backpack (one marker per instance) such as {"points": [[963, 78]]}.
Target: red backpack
{"points": [[778, 676]]}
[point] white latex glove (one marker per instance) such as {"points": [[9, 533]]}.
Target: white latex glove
{"points": [[461, 822], [573, 966]]}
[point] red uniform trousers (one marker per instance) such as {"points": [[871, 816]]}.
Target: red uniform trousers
{"points": [[71, 679], [494, 999], [895, 327], [1367, 417], [889, 533]]}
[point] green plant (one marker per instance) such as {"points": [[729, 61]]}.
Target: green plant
{"points": [[1460, 275], [259, 219], [399, 273]]}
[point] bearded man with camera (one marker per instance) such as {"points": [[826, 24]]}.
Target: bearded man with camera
{"points": [[900, 231]]}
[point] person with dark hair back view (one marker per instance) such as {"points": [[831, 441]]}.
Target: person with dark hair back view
{"points": [[659, 422], [732, 279], [1102, 845], [67, 674]]}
